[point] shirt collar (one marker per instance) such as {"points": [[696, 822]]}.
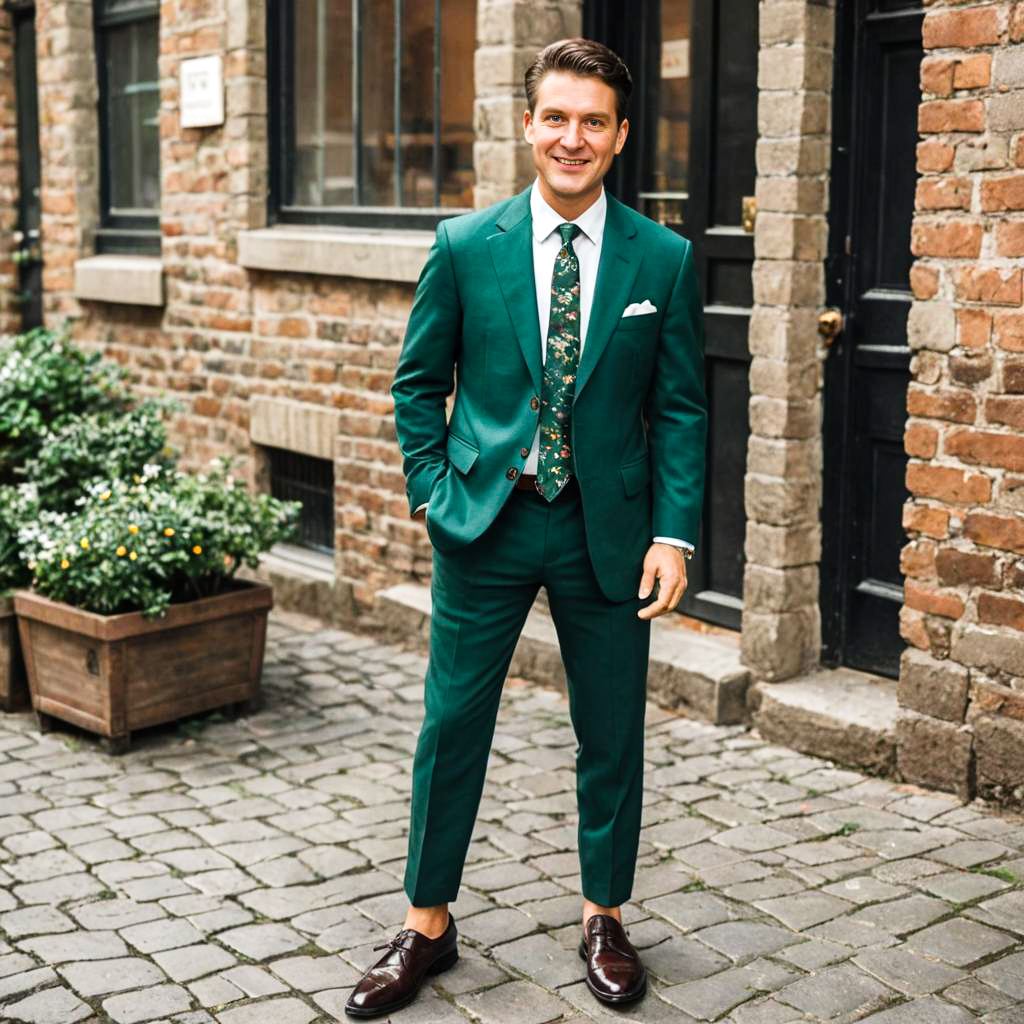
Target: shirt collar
{"points": [[546, 220]]}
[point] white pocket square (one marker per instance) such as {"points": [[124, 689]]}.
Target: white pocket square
{"points": [[640, 308]]}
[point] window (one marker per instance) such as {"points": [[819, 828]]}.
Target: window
{"points": [[305, 478], [371, 110], [127, 43]]}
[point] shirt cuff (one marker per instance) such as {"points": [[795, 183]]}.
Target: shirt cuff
{"points": [[675, 542], [420, 508]]}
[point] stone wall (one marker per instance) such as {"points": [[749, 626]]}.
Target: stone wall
{"points": [[781, 619], [962, 678], [10, 311]]}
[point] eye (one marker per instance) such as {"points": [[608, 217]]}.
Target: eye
{"points": [[554, 118]]}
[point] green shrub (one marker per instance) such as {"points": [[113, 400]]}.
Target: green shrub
{"points": [[97, 447], [45, 382], [163, 537]]}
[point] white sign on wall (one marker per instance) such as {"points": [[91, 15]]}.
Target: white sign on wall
{"points": [[675, 58], [202, 92]]}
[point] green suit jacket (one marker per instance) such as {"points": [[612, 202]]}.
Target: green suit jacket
{"points": [[639, 419]]}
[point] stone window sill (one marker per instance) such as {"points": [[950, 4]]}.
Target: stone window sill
{"points": [[135, 280], [339, 252]]}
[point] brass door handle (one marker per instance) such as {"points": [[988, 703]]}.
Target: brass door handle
{"points": [[830, 324], [748, 213]]}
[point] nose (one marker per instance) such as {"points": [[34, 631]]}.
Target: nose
{"points": [[572, 137]]}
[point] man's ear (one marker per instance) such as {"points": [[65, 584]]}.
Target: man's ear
{"points": [[620, 137], [528, 126]]}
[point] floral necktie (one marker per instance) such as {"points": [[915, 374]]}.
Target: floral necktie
{"points": [[554, 462]]}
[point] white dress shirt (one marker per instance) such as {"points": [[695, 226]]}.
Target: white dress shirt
{"points": [[547, 243]]}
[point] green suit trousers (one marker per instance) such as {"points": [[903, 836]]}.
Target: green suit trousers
{"points": [[481, 595]]}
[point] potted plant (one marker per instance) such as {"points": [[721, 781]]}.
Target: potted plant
{"points": [[45, 382], [136, 616]]}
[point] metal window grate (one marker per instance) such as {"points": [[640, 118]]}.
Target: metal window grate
{"points": [[296, 477]]}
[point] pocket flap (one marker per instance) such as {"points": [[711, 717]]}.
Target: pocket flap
{"points": [[636, 475], [461, 454]]}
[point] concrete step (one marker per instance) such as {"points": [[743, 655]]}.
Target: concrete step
{"points": [[699, 673], [847, 716]]}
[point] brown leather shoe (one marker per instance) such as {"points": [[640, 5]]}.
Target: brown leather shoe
{"points": [[614, 972], [395, 979]]}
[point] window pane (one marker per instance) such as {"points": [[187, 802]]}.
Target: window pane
{"points": [[378, 98], [458, 43], [337, 162], [132, 109], [674, 100], [322, 62], [417, 138]]}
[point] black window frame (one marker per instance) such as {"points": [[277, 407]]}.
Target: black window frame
{"points": [[129, 234], [281, 128]]}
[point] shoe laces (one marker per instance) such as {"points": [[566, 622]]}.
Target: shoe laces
{"points": [[397, 944]]}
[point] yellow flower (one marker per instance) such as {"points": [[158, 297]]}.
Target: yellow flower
{"points": [[169, 531], [65, 564], [105, 496], [134, 555], [121, 551], [85, 543], [197, 550], [133, 529]]}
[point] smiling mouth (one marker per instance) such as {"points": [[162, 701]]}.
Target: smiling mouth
{"points": [[566, 162]]}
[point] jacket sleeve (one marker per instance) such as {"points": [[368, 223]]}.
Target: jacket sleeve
{"points": [[677, 411], [425, 375]]}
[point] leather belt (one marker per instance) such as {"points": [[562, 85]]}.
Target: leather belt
{"points": [[528, 482]]}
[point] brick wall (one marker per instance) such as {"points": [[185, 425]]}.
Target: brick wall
{"points": [[10, 312], [962, 677], [227, 334]]}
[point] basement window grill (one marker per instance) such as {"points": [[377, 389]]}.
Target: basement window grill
{"points": [[305, 478]]}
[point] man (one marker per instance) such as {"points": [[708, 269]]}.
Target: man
{"points": [[570, 329]]}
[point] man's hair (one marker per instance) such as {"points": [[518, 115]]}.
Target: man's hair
{"points": [[581, 57]]}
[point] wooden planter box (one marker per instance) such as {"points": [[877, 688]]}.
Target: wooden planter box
{"points": [[113, 674], [13, 686]]}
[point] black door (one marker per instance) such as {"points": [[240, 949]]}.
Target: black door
{"points": [[27, 255], [875, 103], [689, 163]]}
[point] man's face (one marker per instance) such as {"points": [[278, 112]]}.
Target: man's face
{"points": [[575, 135]]}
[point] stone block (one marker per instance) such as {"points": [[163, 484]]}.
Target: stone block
{"points": [[788, 335], [137, 280], [846, 716], [989, 648], [784, 378], [933, 687], [931, 325], [934, 753], [999, 755], [499, 118], [779, 590], [778, 501], [527, 24], [784, 457], [789, 418], [783, 546], [782, 644]]}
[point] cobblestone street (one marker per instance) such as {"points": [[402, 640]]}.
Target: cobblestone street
{"points": [[242, 871]]}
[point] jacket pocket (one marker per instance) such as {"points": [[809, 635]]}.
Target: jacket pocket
{"points": [[461, 454], [636, 475]]}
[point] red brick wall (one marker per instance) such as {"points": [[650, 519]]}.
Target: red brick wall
{"points": [[10, 313], [962, 680], [226, 334]]}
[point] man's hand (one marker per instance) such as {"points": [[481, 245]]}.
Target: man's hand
{"points": [[665, 564], [420, 515]]}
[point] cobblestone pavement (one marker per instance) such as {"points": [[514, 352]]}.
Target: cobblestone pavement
{"points": [[241, 872]]}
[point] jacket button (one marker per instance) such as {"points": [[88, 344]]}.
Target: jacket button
{"points": [[511, 472], [523, 452], [535, 403]]}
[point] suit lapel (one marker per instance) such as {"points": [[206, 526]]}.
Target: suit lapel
{"points": [[620, 262], [512, 255]]}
